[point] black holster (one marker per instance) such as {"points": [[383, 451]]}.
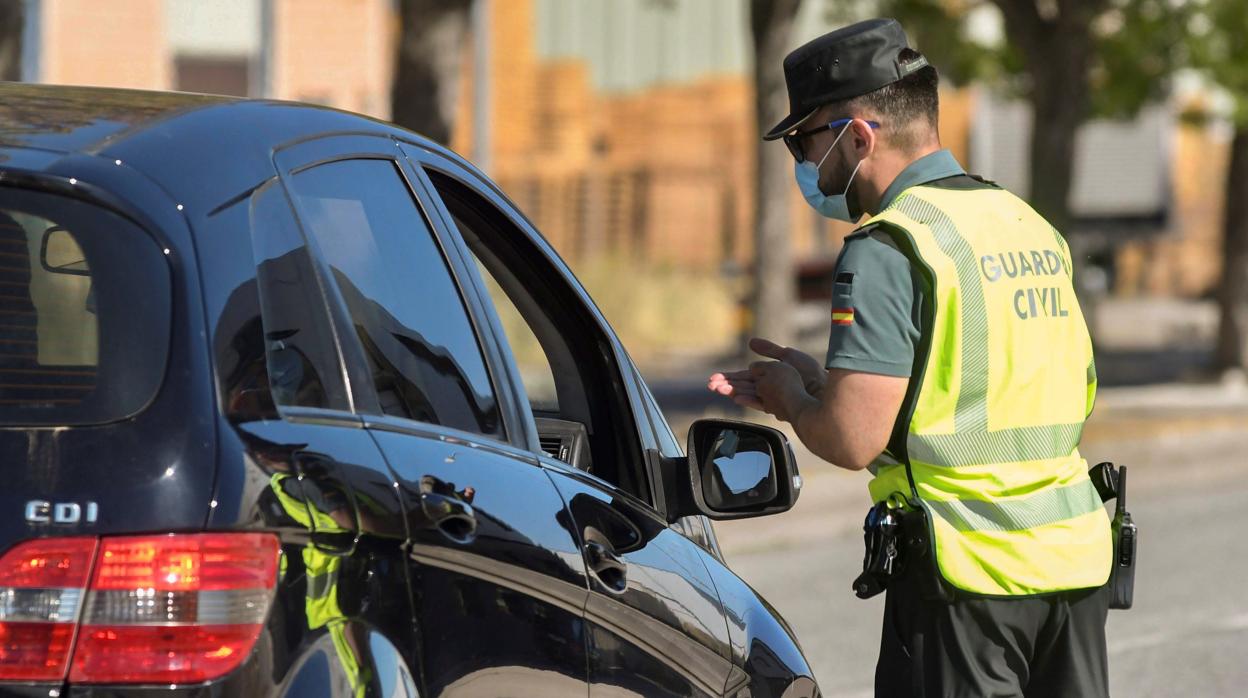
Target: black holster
{"points": [[1111, 483], [898, 539], [880, 557]]}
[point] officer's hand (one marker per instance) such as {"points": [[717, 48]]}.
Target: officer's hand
{"points": [[738, 385], [778, 388], [813, 374]]}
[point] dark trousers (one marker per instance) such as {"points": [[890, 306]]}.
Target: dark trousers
{"points": [[1037, 646]]}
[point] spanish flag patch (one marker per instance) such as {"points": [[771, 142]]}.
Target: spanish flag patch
{"points": [[842, 316]]}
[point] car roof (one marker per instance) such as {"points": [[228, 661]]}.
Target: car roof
{"points": [[201, 149]]}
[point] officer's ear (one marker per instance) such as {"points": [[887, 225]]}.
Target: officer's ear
{"points": [[864, 138]]}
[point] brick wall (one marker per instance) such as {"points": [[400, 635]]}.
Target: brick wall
{"points": [[663, 175], [119, 43], [335, 52]]}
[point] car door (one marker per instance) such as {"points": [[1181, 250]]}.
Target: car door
{"points": [[296, 450], [497, 578], [655, 624]]}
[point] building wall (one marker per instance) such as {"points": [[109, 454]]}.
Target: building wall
{"points": [[119, 43], [664, 173], [334, 52], [652, 161]]}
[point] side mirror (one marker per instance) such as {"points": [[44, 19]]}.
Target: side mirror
{"points": [[735, 470], [59, 253]]}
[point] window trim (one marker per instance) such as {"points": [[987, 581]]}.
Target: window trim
{"points": [[411, 427]]}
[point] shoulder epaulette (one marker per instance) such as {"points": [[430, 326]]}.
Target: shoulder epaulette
{"points": [[983, 180], [864, 231]]}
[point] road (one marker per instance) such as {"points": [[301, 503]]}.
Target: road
{"points": [[1188, 632]]}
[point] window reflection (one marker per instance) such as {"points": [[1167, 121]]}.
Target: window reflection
{"points": [[301, 360], [405, 306], [84, 312], [272, 339]]}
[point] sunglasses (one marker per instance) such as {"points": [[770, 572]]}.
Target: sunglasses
{"points": [[794, 140]]}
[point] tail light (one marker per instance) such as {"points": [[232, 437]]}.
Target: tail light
{"points": [[41, 592], [136, 609]]}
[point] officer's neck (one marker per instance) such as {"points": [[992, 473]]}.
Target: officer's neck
{"points": [[879, 171]]}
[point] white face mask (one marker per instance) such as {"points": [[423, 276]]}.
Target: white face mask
{"points": [[807, 175]]}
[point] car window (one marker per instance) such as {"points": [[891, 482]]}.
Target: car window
{"points": [[272, 340], [535, 371], [301, 362], [589, 422], [404, 304], [84, 312]]}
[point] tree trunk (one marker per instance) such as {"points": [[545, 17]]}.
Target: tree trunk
{"points": [[1232, 347], [771, 24], [426, 77], [1057, 47], [11, 22], [1059, 104]]}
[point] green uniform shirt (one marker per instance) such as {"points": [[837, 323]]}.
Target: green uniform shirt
{"points": [[877, 298]]}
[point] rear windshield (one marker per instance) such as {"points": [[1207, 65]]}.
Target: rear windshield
{"points": [[84, 312]]}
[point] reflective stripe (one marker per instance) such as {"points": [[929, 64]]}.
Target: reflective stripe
{"points": [[989, 447], [1043, 508], [971, 413], [1061, 242], [321, 584], [1091, 387]]}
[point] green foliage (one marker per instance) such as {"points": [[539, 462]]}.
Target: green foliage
{"points": [[1196, 116], [1137, 44], [1217, 33], [938, 28]]}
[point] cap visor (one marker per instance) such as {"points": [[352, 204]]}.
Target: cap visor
{"points": [[789, 123]]}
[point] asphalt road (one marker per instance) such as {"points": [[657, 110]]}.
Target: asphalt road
{"points": [[1188, 632]]}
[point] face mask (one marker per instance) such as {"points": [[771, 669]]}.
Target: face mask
{"points": [[807, 174]]}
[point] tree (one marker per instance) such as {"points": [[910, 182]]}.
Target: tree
{"points": [[771, 25], [1219, 48], [1070, 59], [11, 22], [427, 70], [1058, 47]]}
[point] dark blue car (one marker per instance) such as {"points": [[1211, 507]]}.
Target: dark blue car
{"points": [[264, 433]]}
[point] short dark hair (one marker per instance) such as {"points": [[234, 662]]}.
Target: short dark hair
{"points": [[908, 110]]}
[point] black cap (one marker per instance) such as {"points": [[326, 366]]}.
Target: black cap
{"points": [[848, 62]]}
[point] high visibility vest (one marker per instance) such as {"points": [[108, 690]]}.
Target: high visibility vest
{"points": [[1003, 381], [359, 677], [321, 569]]}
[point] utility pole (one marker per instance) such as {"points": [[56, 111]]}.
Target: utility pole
{"points": [[481, 145], [262, 73]]}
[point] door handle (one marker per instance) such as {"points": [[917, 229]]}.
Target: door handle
{"points": [[609, 568], [453, 517]]}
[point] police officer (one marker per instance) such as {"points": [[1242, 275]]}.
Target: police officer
{"points": [[959, 372]]}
